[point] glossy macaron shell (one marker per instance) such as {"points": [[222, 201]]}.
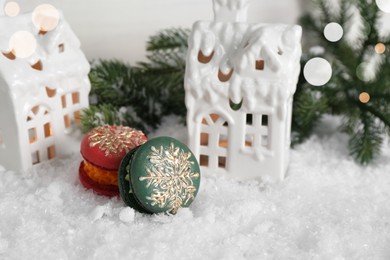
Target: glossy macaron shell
{"points": [[164, 176], [124, 184], [105, 146]]}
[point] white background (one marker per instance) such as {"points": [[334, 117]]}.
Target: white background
{"points": [[119, 28]]}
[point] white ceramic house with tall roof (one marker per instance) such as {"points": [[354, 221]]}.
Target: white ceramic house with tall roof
{"points": [[41, 96], [240, 81]]}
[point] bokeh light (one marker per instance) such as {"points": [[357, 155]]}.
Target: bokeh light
{"points": [[380, 48], [22, 44], [318, 71], [45, 17], [364, 97], [384, 5], [12, 9], [333, 32]]}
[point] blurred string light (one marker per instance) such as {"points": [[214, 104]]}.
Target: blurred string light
{"points": [[22, 44], [333, 32], [317, 71], [383, 5], [12, 9], [380, 48], [45, 17], [361, 71], [364, 97]]}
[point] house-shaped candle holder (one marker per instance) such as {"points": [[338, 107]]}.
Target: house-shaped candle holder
{"points": [[240, 81], [40, 96]]}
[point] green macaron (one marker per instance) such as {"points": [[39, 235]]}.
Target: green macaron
{"points": [[161, 175]]}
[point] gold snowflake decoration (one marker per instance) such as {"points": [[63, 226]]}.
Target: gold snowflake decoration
{"points": [[171, 176], [113, 140]]}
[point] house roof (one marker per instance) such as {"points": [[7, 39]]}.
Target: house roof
{"points": [[18, 74], [236, 61]]}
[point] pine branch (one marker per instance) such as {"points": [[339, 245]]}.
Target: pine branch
{"points": [[104, 114], [168, 40], [307, 111], [344, 15], [324, 9], [366, 123], [365, 142], [139, 96], [381, 115], [110, 81]]}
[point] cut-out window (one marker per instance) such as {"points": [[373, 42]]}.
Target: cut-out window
{"points": [[10, 55], [235, 106], [264, 140], [214, 117], [51, 92], [249, 138], [204, 160], [264, 120], [51, 152], [61, 48], [47, 130], [67, 121], [257, 131], [35, 157], [42, 32], [280, 51], [63, 101], [37, 66], [260, 65], [249, 119], [71, 108], [77, 120], [223, 141], [221, 161], [204, 139], [203, 58], [35, 110], [32, 135], [76, 97], [225, 77]]}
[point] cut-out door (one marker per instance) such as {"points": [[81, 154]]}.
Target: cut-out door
{"points": [[214, 134], [40, 134]]}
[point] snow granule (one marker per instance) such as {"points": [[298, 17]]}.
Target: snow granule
{"points": [[127, 215], [100, 212], [327, 208]]}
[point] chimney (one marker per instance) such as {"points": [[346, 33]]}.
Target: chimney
{"points": [[230, 10]]}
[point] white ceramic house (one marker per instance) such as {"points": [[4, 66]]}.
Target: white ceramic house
{"points": [[40, 96], [240, 81]]}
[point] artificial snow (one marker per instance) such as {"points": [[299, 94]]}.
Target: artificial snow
{"points": [[327, 208], [127, 215]]}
